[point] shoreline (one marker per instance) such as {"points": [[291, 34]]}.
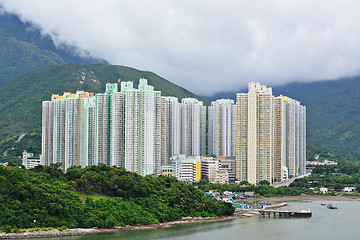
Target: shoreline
{"points": [[311, 198], [241, 214], [86, 231]]}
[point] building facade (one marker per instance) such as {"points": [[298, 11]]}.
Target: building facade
{"points": [[134, 128], [187, 169], [271, 136], [193, 127], [220, 128]]}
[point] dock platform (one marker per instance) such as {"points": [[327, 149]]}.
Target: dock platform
{"points": [[285, 213]]}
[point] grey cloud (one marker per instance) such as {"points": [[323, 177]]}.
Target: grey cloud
{"points": [[209, 46]]}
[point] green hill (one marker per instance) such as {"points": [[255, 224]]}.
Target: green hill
{"points": [[23, 49], [21, 98], [20, 57]]}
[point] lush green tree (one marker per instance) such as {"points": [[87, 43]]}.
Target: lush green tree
{"points": [[51, 197]]}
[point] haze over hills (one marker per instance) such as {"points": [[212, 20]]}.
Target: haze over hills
{"points": [[23, 49]]}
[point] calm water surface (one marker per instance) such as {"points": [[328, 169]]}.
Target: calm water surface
{"points": [[342, 223]]}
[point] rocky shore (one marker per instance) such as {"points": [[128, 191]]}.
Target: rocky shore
{"points": [[311, 198], [86, 231]]}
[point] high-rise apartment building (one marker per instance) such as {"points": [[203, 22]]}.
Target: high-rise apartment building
{"points": [[271, 136], [139, 130], [144, 120], [220, 131], [193, 127], [116, 144], [61, 129], [295, 133], [134, 128], [87, 129], [173, 129]]}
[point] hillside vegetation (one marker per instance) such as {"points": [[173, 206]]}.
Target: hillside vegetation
{"points": [[21, 99], [18, 57], [12, 147], [51, 197]]}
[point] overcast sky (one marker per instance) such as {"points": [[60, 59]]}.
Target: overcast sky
{"points": [[208, 46]]}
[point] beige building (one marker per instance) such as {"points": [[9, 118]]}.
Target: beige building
{"points": [[270, 136], [222, 176], [254, 153], [209, 169], [229, 165]]}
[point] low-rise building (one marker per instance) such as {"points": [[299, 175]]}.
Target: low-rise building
{"points": [[321, 163], [187, 169], [228, 164], [222, 176], [209, 168], [167, 170], [29, 161], [323, 190], [349, 190]]}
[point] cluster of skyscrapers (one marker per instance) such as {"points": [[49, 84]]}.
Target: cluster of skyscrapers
{"points": [[265, 134], [134, 128], [140, 130]]}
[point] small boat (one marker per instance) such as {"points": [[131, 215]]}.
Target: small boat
{"points": [[263, 204], [330, 206], [323, 204]]}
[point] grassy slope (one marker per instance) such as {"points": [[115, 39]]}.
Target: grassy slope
{"points": [[21, 99]]}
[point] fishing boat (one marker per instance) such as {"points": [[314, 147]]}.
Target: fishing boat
{"points": [[330, 206]]}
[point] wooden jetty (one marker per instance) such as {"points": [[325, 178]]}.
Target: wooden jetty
{"points": [[285, 213]]}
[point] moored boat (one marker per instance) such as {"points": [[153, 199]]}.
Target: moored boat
{"points": [[331, 206]]}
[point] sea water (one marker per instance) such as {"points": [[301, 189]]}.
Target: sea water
{"points": [[342, 223]]}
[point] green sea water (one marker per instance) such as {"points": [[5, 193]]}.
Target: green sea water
{"points": [[342, 223]]}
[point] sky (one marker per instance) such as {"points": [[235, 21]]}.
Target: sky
{"points": [[209, 46]]}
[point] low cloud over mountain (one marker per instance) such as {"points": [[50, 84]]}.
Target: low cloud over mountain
{"points": [[209, 46]]}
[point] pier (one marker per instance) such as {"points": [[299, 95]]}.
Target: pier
{"points": [[285, 213], [275, 206]]}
